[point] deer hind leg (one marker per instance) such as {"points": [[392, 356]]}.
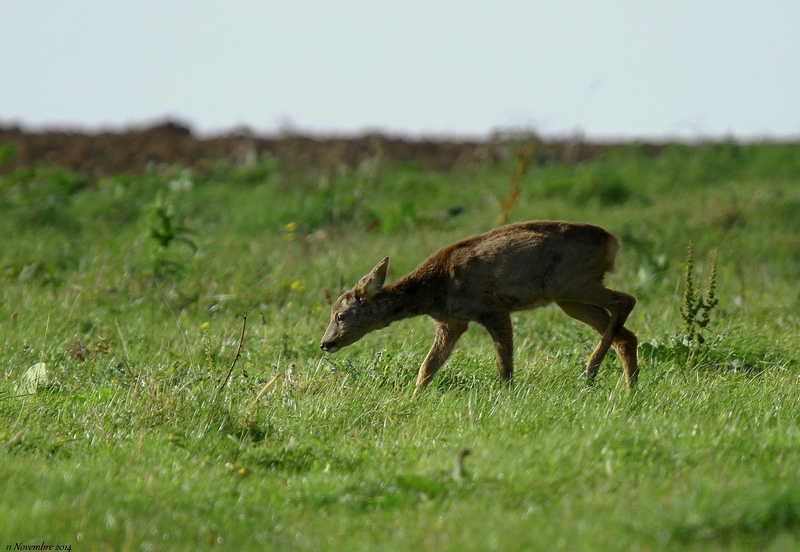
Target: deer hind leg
{"points": [[447, 335], [499, 327], [612, 329]]}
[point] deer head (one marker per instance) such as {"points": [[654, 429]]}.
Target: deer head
{"points": [[356, 313]]}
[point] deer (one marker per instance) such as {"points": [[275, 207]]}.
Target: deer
{"points": [[486, 277]]}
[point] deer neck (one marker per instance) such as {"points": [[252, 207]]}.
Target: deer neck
{"points": [[408, 297]]}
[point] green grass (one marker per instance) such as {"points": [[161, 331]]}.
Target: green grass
{"points": [[130, 443]]}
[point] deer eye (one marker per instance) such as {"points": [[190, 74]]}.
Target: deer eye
{"points": [[340, 318]]}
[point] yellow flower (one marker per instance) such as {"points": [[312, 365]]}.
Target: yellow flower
{"points": [[205, 326], [290, 227], [297, 286]]}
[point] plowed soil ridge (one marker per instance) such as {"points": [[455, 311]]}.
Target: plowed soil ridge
{"points": [[172, 143]]}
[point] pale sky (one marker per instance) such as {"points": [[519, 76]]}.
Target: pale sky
{"points": [[626, 69]]}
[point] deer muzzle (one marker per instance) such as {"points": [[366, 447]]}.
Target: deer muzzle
{"points": [[329, 346]]}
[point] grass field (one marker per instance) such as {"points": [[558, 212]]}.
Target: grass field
{"points": [[121, 303]]}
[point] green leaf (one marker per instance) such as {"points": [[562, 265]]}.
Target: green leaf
{"points": [[32, 379]]}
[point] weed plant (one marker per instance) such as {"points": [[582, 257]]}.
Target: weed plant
{"points": [[696, 308], [121, 431]]}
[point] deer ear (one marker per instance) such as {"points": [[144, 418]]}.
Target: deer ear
{"points": [[372, 283]]}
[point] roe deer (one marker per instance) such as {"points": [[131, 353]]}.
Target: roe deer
{"points": [[486, 277]]}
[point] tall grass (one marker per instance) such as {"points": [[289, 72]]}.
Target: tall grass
{"points": [[130, 441]]}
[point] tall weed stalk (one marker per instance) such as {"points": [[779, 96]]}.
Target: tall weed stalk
{"points": [[696, 307]]}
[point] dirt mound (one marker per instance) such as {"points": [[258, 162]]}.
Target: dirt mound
{"points": [[172, 143]]}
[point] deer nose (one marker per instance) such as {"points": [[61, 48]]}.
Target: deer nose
{"points": [[329, 346]]}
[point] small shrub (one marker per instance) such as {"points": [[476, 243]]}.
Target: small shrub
{"points": [[604, 185], [166, 227], [696, 308]]}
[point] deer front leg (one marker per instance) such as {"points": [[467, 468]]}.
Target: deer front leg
{"points": [[447, 335], [499, 327]]}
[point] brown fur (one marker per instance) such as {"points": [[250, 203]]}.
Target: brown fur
{"points": [[486, 277]]}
